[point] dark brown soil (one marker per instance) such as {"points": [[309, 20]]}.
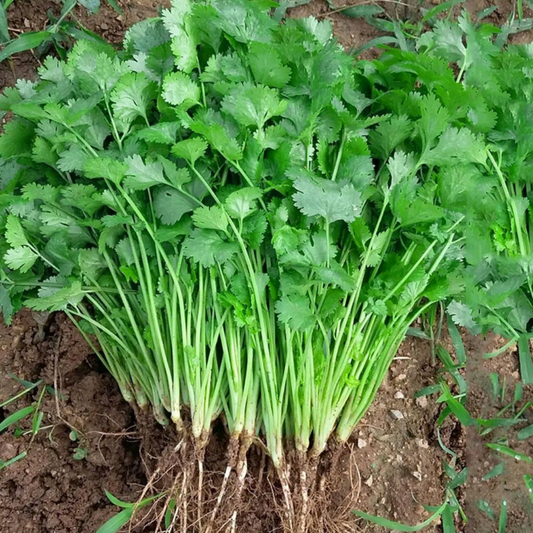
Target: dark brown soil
{"points": [[482, 403], [392, 468], [32, 15], [50, 490]]}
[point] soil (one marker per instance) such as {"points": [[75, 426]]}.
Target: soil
{"points": [[91, 440], [50, 489]]}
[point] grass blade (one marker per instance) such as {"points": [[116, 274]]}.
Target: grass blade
{"points": [[457, 340], [116, 523], [4, 31], [5, 464], [119, 503], [402, 527], [499, 351], [20, 394], [447, 520], [505, 450], [456, 407], [458, 479], [485, 507], [115, 6], [502, 524], [494, 472], [26, 41], [445, 6], [526, 364], [528, 480], [15, 417], [525, 433]]}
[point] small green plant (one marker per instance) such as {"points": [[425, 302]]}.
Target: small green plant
{"points": [[118, 521], [31, 412], [59, 33]]}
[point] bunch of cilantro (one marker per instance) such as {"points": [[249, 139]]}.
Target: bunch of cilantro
{"points": [[241, 220], [488, 90]]}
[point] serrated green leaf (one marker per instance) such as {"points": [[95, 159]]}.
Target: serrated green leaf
{"points": [[210, 218], [15, 234], [180, 90], [325, 198], [208, 247], [131, 97], [141, 175], [21, 258], [294, 311], [253, 105], [170, 205], [241, 203], [190, 149]]}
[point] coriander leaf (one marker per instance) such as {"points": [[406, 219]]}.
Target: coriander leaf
{"points": [[254, 228], [190, 149], [216, 135], [180, 90], [141, 176], [72, 159], [253, 105], [461, 315], [244, 21], [83, 197], [35, 191], [287, 239], [176, 176], [294, 311], [43, 152], [17, 139], [178, 23], [161, 133], [401, 166], [336, 275], [210, 218], [241, 203], [94, 67], [91, 263], [266, 65], [456, 144], [207, 247], [390, 134], [132, 96], [57, 299], [125, 252], [325, 198], [170, 204], [104, 167], [15, 235], [145, 36], [21, 258], [434, 119]]}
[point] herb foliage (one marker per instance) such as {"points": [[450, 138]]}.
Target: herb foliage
{"points": [[239, 218]]}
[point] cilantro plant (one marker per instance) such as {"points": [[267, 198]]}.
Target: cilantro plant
{"points": [[491, 96], [237, 218]]}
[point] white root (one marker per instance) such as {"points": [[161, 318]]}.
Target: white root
{"points": [[219, 499], [242, 470], [200, 490], [305, 500], [289, 508], [183, 503]]}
